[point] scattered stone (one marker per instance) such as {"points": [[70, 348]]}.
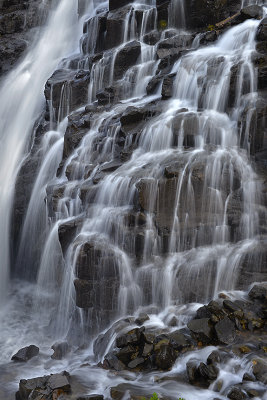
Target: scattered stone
{"points": [[137, 361], [258, 292], [231, 306], [46, 387], [253, 11], [178, 340], [60, 350], [249, 378], [165, 355], [141, 319], [214, 358], [225, 331], [201, 375], [201, 329], [260, 369], [131, 337], [26, 353], [236, 394], [58, 381]]}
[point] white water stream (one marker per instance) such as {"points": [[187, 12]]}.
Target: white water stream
{"points": [[164, 279]]}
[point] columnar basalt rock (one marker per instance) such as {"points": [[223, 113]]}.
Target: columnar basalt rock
{"points": [[16, 21]]}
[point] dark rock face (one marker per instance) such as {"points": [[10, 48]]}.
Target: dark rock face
{"points": [[69, 84], [113, 4], [97, 282], [259, 292], [126, 58], [202, 13], [17, 19], [253, 11], [26, 353]]}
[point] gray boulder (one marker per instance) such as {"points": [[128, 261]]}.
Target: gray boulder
{"points": [[26, 353]]}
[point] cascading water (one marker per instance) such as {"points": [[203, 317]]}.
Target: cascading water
{"points": [[136, 215], [22, 95]]}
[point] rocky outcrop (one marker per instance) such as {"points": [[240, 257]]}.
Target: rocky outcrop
{"points": [[65, 91], [50, 387], [235, 326], [16, 20], [202, 13]]}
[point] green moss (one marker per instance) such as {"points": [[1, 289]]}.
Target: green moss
{"points": [[211, 27], [163, 24]]}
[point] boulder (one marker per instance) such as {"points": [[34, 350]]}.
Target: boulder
{"points": [[258, 292], [213, 310], [237, 393], [136, 362], [61, 349], [252, 11], [132, 337], [111, 361], [165, 354], [201, 329], [201, 375], [179, 341], [126, 58], [141, 319], [49, 387], [26, 353], [262, 31], [214, 358], [127, 354], [260, 369], [225, 331], [59, 381]]}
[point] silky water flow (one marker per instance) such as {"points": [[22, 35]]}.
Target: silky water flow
{"points": [[192, 139]]}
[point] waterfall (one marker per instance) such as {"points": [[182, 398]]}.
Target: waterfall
{"points": [[145, 196], [21, 95]]}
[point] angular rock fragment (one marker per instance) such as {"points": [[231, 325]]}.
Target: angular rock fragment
{"points": [[26, 353]]}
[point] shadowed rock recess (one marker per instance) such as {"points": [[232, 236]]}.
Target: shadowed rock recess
{"points": [[138, 223]]}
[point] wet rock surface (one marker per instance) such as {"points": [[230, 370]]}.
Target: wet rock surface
{"points": [[26, 353], [236, 327], [230, 325], [17, 20], [49, 387]]}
